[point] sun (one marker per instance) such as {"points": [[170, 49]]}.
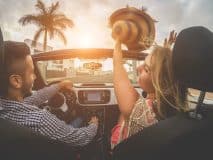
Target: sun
{"points": [[86, 42], [77, 63]]}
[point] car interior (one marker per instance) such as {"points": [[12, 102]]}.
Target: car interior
{"points": [[183, 136]]}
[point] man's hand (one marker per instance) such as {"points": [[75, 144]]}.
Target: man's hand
{"points": [[94, 120], [66, 84], [172, 38]]}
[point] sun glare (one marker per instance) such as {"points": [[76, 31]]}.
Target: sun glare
{"points": [[86, 42], [107, 64], [77, 63]]}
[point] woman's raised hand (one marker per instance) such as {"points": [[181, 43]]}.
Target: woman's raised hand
{"points": [[171, 39]]}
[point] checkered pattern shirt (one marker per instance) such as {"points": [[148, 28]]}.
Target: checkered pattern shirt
{"points": [[42, 121]]}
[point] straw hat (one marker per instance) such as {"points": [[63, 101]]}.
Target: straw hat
{"points": [[133, 27]]}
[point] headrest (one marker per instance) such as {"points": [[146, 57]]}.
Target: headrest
{"points": [[193, 58]]}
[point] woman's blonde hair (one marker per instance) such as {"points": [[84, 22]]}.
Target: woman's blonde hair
{"points": [[170, 95]]}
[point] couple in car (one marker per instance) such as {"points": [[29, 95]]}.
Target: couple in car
{"points": [[165, 96]]}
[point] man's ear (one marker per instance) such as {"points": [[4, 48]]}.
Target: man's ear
{"points": [[15, 81]]}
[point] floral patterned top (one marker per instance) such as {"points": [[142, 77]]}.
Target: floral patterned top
{"points": [[142, 116]]}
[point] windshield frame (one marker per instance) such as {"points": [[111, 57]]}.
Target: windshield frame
{"points": [[92, 53]]}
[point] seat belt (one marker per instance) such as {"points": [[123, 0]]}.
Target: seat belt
{"points": [[196, 114]]}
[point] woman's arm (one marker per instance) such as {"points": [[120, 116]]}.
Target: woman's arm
{"points": [[125, 93]]}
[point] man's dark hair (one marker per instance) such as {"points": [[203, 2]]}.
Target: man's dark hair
{"points": [[14, 54]]}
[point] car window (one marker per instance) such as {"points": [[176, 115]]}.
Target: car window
{"points": [[194, 94], [84, 70]]}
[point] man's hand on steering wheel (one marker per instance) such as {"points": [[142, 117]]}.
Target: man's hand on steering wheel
{"points": [[65, 97], [65, 84], [66, 88]]}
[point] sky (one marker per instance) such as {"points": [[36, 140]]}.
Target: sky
{"points": [[90, 17]]}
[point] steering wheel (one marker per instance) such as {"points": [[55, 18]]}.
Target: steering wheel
{"points": [[63, 105]]}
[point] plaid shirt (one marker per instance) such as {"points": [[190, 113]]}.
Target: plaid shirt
{"points": [[42, 121]]}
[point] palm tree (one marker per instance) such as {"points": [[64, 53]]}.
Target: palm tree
{"points": [[49, 21]]}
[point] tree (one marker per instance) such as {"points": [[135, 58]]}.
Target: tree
{"points": [[49, 21]]}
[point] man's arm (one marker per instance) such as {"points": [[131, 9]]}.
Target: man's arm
{"points": [[56, 129], [42, 95]]}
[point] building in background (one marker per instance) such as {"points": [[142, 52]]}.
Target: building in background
{"points": [[38, 47]]}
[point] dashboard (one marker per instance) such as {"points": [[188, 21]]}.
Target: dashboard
{"points": [[96, 95]]}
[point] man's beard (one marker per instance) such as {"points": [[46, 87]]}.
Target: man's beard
{"points": [[28, 94], [27, 90]]}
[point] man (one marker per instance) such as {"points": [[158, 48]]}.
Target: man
{"points": [[16, 83]]}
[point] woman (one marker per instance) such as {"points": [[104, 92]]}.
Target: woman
{"points": [[164, 95]]}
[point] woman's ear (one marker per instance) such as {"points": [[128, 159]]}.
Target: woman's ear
{"points": [[15, 81]]}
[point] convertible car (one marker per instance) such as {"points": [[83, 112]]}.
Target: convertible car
{"points": [[90, 70]]}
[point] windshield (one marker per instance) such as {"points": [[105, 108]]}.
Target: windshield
{"points": [[89, 71]]}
